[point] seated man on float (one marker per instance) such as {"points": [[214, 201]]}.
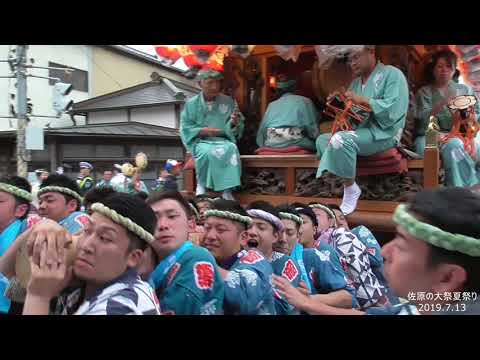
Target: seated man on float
{"points": [[382, 88], [210, 126], [291, 120]]}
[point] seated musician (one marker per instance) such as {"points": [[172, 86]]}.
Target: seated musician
{"points": [[291, 120], [384, 90], [432, 99], [210, 126]]}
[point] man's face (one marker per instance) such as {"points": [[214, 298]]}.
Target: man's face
{"points": [[43, 176], [322, 218], [406, 260], [361, 61], [290, 236], [307, 232], [107, 175], [341, 221], [210, 88], [172, 226], [222, 237], [54, 206], [103, 253], [262, 235], [202, 207], [84, 171], [9, 210]]}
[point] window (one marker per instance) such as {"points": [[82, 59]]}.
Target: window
{"points": [[78, 78]]}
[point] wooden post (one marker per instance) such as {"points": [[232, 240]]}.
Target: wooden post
{"points": [[264, 72], [189, 180], [431, 167], [290, 180]]}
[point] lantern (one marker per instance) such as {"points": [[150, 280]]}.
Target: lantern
{"points": [[203, 52], [167, 52]]}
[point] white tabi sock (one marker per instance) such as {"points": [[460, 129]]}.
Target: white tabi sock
{"points": [[200, 189], [227, 195], [351, 194]]}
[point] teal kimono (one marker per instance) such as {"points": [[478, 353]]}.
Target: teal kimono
{"points": [[289, 121], [387, 91], [283, 265], [190, 283], [217, 160], [248, 285], [460, 168], [103, 184]]}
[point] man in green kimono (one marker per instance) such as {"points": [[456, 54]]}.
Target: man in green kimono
{"points": [[210, 126], [384, 90], [291, 120]]}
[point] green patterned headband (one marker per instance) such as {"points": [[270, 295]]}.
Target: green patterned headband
{"points": [[292, 217], [123, 221], [16, 191], [60, 189], [230, 216], [435, 236], [327, 210]]}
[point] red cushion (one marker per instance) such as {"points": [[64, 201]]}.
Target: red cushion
{"points": [[377, 163], [400, 167], [291, 150], [383, 155]]}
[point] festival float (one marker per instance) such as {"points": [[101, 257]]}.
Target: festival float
{"points": [[386, 179]]}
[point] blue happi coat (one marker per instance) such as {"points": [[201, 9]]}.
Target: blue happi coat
{"points": [[248, 286]]}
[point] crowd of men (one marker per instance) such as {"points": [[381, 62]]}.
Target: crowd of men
{"points": [[112, 252]]}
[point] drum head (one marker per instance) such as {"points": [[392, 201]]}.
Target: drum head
{"points": [[462, 102]]}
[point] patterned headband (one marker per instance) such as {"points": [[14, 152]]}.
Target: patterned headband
{"points": [[16, 191], [272, 219], [230, 216], [60, 189], [123, 221], [435, 236]]}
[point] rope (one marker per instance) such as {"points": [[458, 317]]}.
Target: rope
{"points": [[60, 189], [16, 191], [292, 217], [230, 216], [124, 221], [435, 236]]}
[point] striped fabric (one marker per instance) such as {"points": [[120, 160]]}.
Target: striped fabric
{"points": [[127, 295]]}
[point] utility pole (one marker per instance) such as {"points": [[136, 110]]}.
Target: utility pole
{"points": [[22, 154]]}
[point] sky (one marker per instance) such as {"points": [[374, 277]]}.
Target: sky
{"points": [[149, 49]]}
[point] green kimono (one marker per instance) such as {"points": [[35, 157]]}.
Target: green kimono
{"points": [[387, 91], [460, 168], [289, 121], [217, 160]]}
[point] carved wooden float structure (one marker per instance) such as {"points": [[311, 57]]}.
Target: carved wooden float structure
{"points": [[246, 75]]}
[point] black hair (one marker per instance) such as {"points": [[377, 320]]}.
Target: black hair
{"points": [[192, 203], [449, 56], [334, 207], [63, 181], [20, 183], [307, 210], [96, 195], [135, 209], [457, 211], [142, 195], [287, 208], [231, 206], [326, 205], [172, 195]]}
